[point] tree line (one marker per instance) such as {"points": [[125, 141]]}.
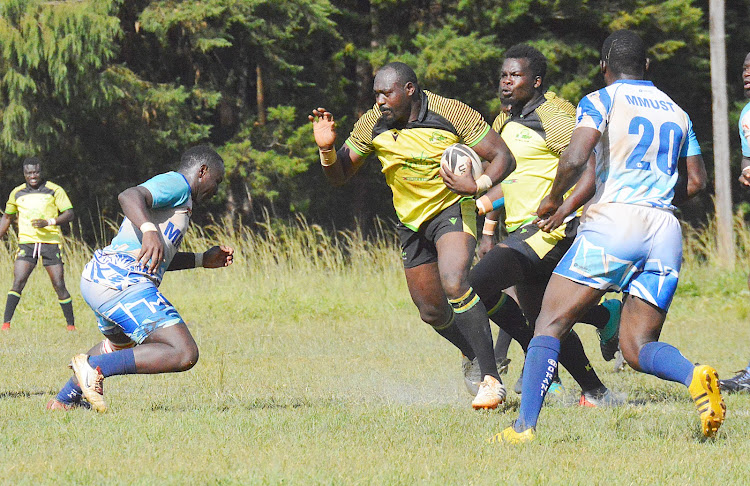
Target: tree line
{"points": [[108, 92]]}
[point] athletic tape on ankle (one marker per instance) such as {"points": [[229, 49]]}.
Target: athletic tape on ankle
{"points": [[198, 260], [489, 227]]}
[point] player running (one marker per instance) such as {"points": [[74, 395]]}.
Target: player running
{"points": [[409, 129], [41, 207], [647, 157], [537, 130], [144, 333], [741, 381]]}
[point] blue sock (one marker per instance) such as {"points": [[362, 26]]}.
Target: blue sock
{"points": [[538, 372], [748, 367], [118, 363], [665, 361], [70, 393]]}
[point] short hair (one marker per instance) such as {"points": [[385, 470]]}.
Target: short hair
{"points": [[404, 73], [537, 60], [28, 161], [625, 53], [199, 155]]}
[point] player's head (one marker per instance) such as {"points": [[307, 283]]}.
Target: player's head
{"points": [[32, 171], [746, 75], [624, 54], [396, 88], [522, 75], [204, 170]]}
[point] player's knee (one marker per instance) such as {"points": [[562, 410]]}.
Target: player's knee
{"points": [[188, 358], [455, 285]]}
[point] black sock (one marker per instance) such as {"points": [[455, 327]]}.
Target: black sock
{"points": [[451, 332], [67, 308], [574, 359], [10, 305], [471, 319], [596, 316], [506, 314]]}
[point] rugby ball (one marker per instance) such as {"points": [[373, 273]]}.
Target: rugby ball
{"points": [[458, 157]]}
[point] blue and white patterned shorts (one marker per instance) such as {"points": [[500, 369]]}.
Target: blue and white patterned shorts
{"points": [[136, 311], [628, 248]]}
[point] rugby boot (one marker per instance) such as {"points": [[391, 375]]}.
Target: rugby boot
{"points": [[738, 383], [472, 374], [603, 399], [91, 382], [510, 436], [6, 326], [704, 389], [491, 394], [502, 366], [609, 336]]}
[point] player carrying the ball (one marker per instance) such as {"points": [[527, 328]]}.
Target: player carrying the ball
{"points": [[143, 332], [409, 129], [647, 159]]}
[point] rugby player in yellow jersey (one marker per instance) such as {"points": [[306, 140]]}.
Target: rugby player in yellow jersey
{"points": [[40, 207], [409, 129], [537, 130]]}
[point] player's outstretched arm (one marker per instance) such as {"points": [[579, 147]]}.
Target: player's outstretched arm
{"points": [[584, 190], [691, 178], [135, 202], [63, 218], [338, 166], [5, 224], [215, 257]]}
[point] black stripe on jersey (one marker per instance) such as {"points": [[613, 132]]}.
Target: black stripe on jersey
{"points": [[42, 189], [426, 119]]}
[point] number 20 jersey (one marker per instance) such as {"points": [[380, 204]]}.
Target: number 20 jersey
{"points": [[644, 133]]}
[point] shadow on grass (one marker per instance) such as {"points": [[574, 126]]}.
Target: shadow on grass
{"points": [[25, 394]]}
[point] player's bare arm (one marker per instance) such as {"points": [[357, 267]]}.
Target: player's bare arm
{"points": [[572, 165], [584, 190], [215, 257], [501, 164], [64, 218], [338, 166], [135, 202], [745, 175], [691, 179], [5, 223]]}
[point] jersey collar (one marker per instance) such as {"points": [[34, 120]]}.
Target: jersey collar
{"points": [[638, 82]]}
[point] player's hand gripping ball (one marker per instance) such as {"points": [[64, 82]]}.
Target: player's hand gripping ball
{"points": [[458, 157]]}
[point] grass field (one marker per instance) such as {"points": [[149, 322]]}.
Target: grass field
{"points": [[315, 369]]}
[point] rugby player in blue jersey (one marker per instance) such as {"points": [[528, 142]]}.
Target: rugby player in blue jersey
{"points": [[647, 159], [143, 332]]}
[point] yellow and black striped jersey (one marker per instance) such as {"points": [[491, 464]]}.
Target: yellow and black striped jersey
{"points": [[537, 138], [45, 202], [410, 156]]}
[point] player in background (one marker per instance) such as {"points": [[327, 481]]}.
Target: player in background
{"points": [[741, 382], [143, 332], [537, 130], [409, 129], [40, 207], [647, 158]]}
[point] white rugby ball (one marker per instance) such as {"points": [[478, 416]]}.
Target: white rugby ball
{"points": [[458, 157]]}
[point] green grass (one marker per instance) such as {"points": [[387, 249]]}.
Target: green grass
{"points": [[315, 368]]}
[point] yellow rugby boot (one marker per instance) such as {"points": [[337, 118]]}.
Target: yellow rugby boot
{"points": [[90, 380], [510, 436], [704, 389]]}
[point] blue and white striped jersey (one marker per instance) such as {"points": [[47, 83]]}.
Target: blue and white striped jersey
{"points": [[644, 133]]}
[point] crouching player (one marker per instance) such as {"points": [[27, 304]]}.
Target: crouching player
{"points": [[143, 332]]}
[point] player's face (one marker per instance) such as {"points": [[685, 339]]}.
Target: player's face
{"points": [[33, 175], [393, 99], [746, 75], [208, 183], [517, 84]]}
